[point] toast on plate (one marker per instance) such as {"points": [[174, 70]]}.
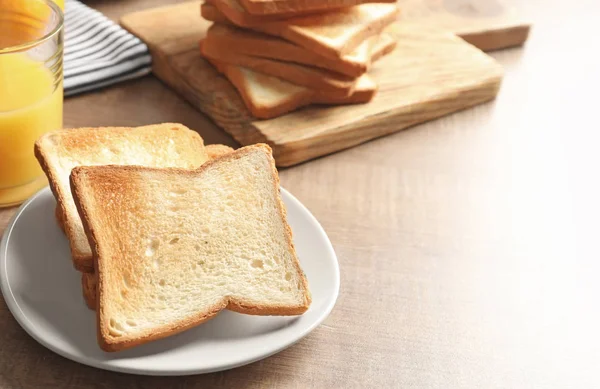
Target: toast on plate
{"points": [[88, 280], [88, 286], [173, 247], [58, 152], [217, 150]]}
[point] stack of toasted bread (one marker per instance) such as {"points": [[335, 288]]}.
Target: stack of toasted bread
{"points": [[281, 55], [167, 232]]}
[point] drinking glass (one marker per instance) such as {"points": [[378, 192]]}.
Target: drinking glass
{"points": [[31, 91]]}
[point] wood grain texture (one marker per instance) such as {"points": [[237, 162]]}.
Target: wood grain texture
{"points": [[430, 74], [467, 245], [487, 24]]}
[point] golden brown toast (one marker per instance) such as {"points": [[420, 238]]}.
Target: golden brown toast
{"points": [[329, 82], [58, 152], [256, 44], [267, 7], [88, 280], [332, 34], [197, 242]]}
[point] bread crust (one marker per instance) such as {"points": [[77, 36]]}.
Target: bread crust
{"points": [[93, 231], [88, 286], [41, 154], [60, 219], [217, 150]]}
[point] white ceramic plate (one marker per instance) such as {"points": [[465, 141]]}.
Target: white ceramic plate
{"points": [[43, 292]]}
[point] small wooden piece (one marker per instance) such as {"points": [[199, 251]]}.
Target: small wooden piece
{"points": [[430, 74], [487, 24]]}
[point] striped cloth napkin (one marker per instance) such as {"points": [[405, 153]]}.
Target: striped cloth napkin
{"points": [[99, 52]]}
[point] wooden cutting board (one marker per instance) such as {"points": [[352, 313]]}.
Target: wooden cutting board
{"points": [[487, 24], [431, 73]]}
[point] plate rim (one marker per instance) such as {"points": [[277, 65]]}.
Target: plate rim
{"points": [[25, 323]]}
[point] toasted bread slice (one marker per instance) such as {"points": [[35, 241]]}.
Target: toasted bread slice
{"points": [[209, 11], [212, 151], [173, 247], [164, 145], [365, 90], [312, 77], [268, 97], [265, 96], [88, 280], [265, 7], [88, 286], [261, 45], [212, 14], [216, 151], [332, 34]]}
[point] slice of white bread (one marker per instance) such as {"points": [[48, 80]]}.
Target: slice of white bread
{"points": [[173, 247], [257, 44], [268, 97], [209, 11], [261, 7], [163, 145], [240, 16], [331, 34], [329, 82], [88, 280], [212, 151], [216, 150]]}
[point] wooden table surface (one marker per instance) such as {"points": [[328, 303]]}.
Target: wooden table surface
{"points": [[466, 245]]}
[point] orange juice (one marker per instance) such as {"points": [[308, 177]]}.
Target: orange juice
{"points": [[30, 105], [31, 92]]}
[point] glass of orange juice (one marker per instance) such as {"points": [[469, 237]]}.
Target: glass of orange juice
{"points": [[31, 91]]}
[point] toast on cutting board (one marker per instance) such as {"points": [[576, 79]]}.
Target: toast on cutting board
{"points": [[197, 242], [210, 10], [267, 96], [261, 7], [239, 15], [58, 152], [332, 34], [312, 77], [256, 44], [88, 280]]}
